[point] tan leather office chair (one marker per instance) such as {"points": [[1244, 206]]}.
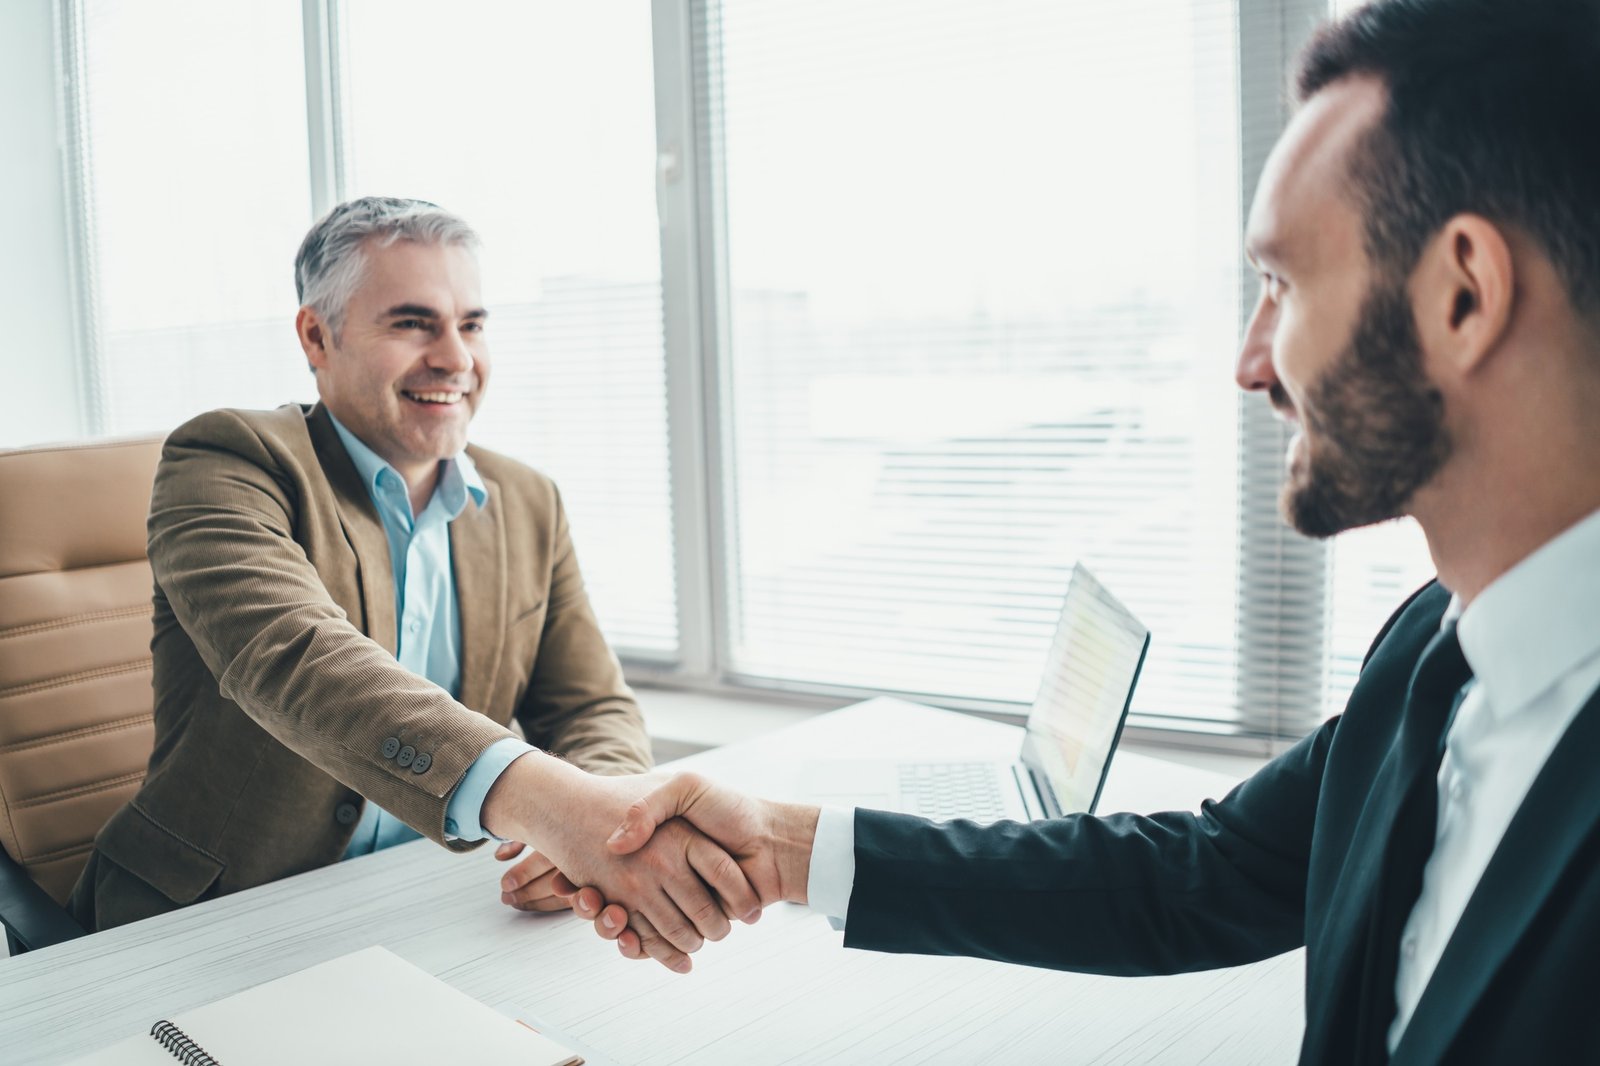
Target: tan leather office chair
{"points": [[75, 702]]}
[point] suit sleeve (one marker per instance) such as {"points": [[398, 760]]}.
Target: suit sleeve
{"points": [[223, 550], [1123, 894], [577, 704]]}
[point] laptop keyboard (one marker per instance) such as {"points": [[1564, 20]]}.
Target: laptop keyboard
{"points": [[943, 790]]}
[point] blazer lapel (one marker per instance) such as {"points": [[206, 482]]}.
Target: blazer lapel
{"points": [[478, 558], [372, 583], [1342, 945], [1349, 926], [1560, 812]]}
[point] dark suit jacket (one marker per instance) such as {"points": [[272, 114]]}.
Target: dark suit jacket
{"points": [[1288, 858], [276, 686]]}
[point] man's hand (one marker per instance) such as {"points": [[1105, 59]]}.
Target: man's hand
{"points": [[678, 891], [530, 884], [770, 841]]}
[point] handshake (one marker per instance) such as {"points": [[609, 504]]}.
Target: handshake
{"points": [[658, 866]]}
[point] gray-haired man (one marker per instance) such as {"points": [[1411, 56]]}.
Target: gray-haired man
{"points": [[351, 604]]}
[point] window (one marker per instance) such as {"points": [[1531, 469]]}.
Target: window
{"points": [[1372, 572], [544, 142], [191, 150], [538, 128], [845, 328], [980, 328]]}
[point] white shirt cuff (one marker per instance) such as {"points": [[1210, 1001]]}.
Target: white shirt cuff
{"points": [[833, 865], [463, 815]]}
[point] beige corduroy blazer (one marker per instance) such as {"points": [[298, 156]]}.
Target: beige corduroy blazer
{"points": [[279, 705]]}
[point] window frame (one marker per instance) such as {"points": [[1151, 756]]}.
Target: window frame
{"points": [[1279, 569], [1283, 627]]}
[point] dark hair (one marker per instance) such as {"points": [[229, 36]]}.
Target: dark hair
{"points": [[1493, 108]]}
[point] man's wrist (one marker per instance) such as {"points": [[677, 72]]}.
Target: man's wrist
{"points": [[527, 796], [463, 814], [794, 828]]}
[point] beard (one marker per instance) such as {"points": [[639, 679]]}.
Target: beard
{"points": [[1373, 425]]}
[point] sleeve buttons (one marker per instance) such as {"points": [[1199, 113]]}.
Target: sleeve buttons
{"points": [[405, 755]]}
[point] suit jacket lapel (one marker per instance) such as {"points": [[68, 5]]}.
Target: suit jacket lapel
{"points": [[1560, 812], [1344, 943], [1342, 946], [372, 582], [478, 559]]}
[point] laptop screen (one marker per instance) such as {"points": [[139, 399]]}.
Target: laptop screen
{"points": [[1084, 695]]}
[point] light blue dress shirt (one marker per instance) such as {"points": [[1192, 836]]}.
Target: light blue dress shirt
{"points": [[429, 634]]}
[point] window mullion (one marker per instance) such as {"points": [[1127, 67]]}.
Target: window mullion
{"points": [[690, 339], [324, 107], [715, 310], [77, 164], [1282, 619]]}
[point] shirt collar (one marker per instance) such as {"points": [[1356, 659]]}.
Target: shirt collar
{"points": [[1535, 622], [458, 478]]}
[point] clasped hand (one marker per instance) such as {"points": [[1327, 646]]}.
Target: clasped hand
{"points": [[673, 891], [770, 842]]}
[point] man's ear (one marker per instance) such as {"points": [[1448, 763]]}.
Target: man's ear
{"points": [[315, 337], [1462, 291]]}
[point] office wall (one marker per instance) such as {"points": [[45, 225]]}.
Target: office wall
{"points": [[38, 356]]}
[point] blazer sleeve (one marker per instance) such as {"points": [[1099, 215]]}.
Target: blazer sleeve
{"points": [[222, 547], [1123, 894], [577, 704]]}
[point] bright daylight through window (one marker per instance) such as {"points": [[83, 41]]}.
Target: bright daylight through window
{"points": [[981, 325], [965, 279], [547, 149]]}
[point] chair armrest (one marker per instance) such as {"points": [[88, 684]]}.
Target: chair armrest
{"points": [[32, 919]]}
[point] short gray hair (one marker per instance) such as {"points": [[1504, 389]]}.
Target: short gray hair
{"points": [[331, 260]]}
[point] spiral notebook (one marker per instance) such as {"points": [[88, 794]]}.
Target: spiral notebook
{"points": [[368, 1006]]}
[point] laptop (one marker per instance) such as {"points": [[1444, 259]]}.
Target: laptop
{"points": [[1073, 729]]}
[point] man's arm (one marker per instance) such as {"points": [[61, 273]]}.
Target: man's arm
{"points": [[224, 515], [566, 814], [1123, 894], [772, 842]]}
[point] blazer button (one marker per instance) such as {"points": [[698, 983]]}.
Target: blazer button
{"points": [[423, 761], [391, 747], [346, 814], [407, 753]]}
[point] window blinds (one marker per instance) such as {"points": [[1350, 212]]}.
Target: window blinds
{"points": [[983, 277], [536, 125], [188, 151], [975, 292]]}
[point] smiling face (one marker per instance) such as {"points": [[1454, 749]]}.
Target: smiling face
{"points": [[408, 369], [1332, 344]]}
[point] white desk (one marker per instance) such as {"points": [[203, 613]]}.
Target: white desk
{"points": [[783, 991]]}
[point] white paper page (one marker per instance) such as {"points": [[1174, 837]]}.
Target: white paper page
{"points": [[368, 1006]]}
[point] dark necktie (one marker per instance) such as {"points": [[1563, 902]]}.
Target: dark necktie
{"points": [[1430, 704]]}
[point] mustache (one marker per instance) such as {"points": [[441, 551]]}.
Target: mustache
{"points": [[1279, 398]]}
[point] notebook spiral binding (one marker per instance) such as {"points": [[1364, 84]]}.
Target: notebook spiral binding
{"points": [[183, 1049]]}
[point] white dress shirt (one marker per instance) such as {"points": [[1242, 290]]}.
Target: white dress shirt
{"points": [[1532, 639]]}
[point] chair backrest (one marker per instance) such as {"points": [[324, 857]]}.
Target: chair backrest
{"points": [[75, 700]]}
